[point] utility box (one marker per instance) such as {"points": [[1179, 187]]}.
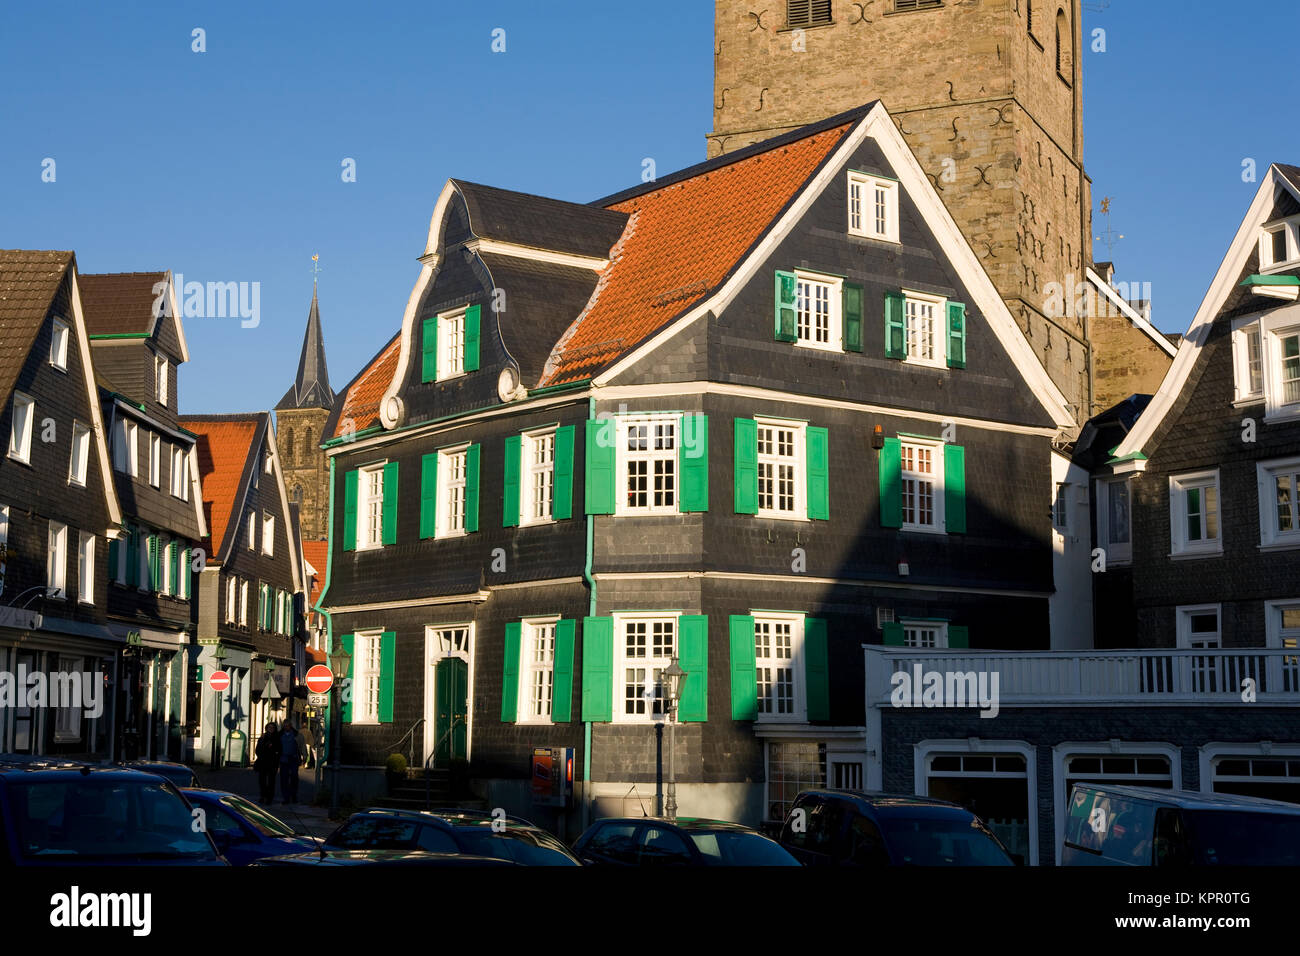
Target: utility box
{"points": [[551, 776]]}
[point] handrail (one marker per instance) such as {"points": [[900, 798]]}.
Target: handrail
{"points": [[410, 733], [433, 753]]}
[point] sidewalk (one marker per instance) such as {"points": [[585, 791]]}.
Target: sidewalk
{"points": [[302, 816]]}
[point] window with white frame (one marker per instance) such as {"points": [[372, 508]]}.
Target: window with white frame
{"points": [[873, 207], [20, 428], [818, 322], [67, 720], [644, 647], [250, 527], [160, 378], [1279, 509], [781, 469], [1282, 630], [165, 558], [59, 345], [232, 607], [925, 331], [537, 670], [56, 565], [1114, 520], [268, 534], [1194, 513], [1248, 361], [126, 450], [925, 633], [1266, 362], [451, 344], [1275, 776], [155, 459], [268, 461], [80, 454], [1279, 244], [1198, 629], [452, 475], [370, 507], [921, 478], [365, 682], [778, 654], [86, 568], [243, 604], [279, 612], [1061, 507], [180, 473], [648, 448], [538, 450], [793, 766]]}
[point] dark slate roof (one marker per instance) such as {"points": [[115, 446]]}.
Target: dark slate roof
{"points": [[1292, 173], [311, 387], [29, 281], [1106, 430], [541, 222], [120, 303]]}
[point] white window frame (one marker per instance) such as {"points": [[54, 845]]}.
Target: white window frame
{"points": [[250, 526], [448, 516], [1179, 485], [1291, 227], [1061, 508], [531, 473], [624, 458], [1275, 635], [20, 436], [451, 344], [268, 534], [155, 459], [232, 599], [370, 506], [936, 477], [56, 564], [531, 629], [243, 603], [1120, 553], [1270, 537], [799, 687], [59, 337], [649, 663], [834, 287], [126, 447], [180, 474], [912, 628], [938, 330], [1243, 391], [160, 366], [799, 459], [1272, 327], [268, 461], [1190, 640], [863, 206], [924, 752], [79, 461], [86, 568], [367, 658], [165, 583]]}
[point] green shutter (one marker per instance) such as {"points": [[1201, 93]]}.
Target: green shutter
{"points": [[852, 300], [693, 463], [562, 486], [133, 557], [349, 645], [598, 668], [891, 484], [816, 671], [174, 556], [954, 489], [155, 566], [471, 487], [562, 683], [350, 511], [473, 317], [893, 632], [113, 549], [895, 326], [819, 475], [693, 657], [429, 342], [390, 503], [600, 482], [387, 671], [428, 495], [956, 335], [510, 496], [787, 294], [510, 673], [746, 470], [744, 682], [958, 635]]}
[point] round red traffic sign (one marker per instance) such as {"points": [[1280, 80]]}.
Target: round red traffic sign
{"points": [[219, 681], [319, 679]]}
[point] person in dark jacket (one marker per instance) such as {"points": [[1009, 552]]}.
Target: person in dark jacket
{"points": [[290, 761], [267, 762]]}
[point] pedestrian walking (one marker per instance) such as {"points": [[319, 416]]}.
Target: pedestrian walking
{"points": [[267, 762], [290, 761]]}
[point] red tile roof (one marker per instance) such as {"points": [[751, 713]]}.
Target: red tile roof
{"points": [[317, 554], [223, 447], [120, 302], [361, 397]]}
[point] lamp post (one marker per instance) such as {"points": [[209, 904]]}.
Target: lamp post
{"points": [[675, 678], [340, 661], [218, 656]]}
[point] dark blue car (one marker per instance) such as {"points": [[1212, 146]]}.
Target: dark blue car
{"points": [[242, 830]]}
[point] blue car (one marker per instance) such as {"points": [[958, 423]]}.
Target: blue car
{"points": [[243, 831]]}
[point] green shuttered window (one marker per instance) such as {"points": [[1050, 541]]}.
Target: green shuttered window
{"points": [[562, 503], [958, 635], [787, 286], [893, 633], [429, 495], [348, 692], [744, 681], [510, 673], [600, 477], [817, 668], [693, 657], [562, 683], [473, 317], [746, 466], [956, 335], [387, 672], [471, 487], [852, 317], [891, 484], [819, 476], [954, 489], [429, 347], [693, 463], [510, 489], [350, 510], [598, 668], [895, 326], [390, 503]]}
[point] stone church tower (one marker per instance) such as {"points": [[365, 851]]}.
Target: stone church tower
{"points": [[988, 95], [300, 418]]}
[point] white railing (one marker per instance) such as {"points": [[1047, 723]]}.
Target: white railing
{"points": [[1104, 677]]}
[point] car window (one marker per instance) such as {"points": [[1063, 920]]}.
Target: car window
{"points": [[374, 833], [1113, 827], [663, 847], [437, 841], [263, 822], [730, 848], [1170, 844], [866, 847], [523, 846], [795, 831], [615, 841], [1244, 838], [824, 821], [220, 820], [943, 841]]}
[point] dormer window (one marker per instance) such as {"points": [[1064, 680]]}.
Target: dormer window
{"points": [[1279, 244], [873, 207], [59, 345], [450, 344]]}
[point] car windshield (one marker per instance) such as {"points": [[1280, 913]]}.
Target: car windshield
{"points": [[942, 841], [375, 833], [526, 847], [105, 817], [731, 848], [261, 821], [1244, 838]]}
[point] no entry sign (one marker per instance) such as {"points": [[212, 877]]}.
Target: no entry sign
{"points": [[219, 681], [319, 679]]}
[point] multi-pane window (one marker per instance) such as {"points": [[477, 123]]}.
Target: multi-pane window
{"points": [[647, 649], [1254, 361], [1199, 629], [792, 767], [780, 467], [1061, 507], [925, 634], [1289, 349], [1194, 512], [1279, 509], [451, 345], [370, 507], [59, 345], [86, 568], [538, 671], [1279, 244], [180, 475], [539, 477], [1266, 360], [268, 534], [873, 207], [126, 453], [1114, 520], [813, 319], [365, 684], [56, 565], [775, 641], [155, 459], [80, 454], [807, 13], [922, 328], [922, 483], [650, 465], [452, 485], [20, 427]]}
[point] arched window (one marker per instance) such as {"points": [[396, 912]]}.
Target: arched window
{"points": [[288, 447], [307, 450], [1064, 45], [297, 494]]}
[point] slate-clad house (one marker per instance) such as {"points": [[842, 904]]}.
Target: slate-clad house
{"points": [[751, 415], [138, 345], [58, 511], [244, 615]]}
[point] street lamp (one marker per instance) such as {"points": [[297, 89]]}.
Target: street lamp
{"points": [[340, 661], [219, 655], [674, 678]]}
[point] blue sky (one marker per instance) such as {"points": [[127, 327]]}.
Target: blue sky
{"points": [[225, 165]]}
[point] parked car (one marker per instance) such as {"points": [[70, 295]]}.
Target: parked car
{"points": [[1145, 826], [451, 831], [56, 813], [652, 841], [243, 831], [381, 858], [854, 828], [178, 773]]}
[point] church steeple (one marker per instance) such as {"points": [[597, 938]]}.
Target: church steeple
{"points": [[311, 388]]}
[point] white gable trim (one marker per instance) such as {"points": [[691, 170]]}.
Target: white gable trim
{"points": [[173, 312], [1239, 252], [96, 412], [1130, 313], [878, 125], [517, 251]]}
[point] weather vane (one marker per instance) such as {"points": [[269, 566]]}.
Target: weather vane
{"points": [[1109, 237], [315, 267]]}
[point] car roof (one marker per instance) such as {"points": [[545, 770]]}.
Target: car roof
{"points": [[682, 823], [1194, 800], [451, 816], [429, 857], [70, 771], [889, 803]]}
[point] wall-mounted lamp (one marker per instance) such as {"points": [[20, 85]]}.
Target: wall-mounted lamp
{"points": [[878, 438]]}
